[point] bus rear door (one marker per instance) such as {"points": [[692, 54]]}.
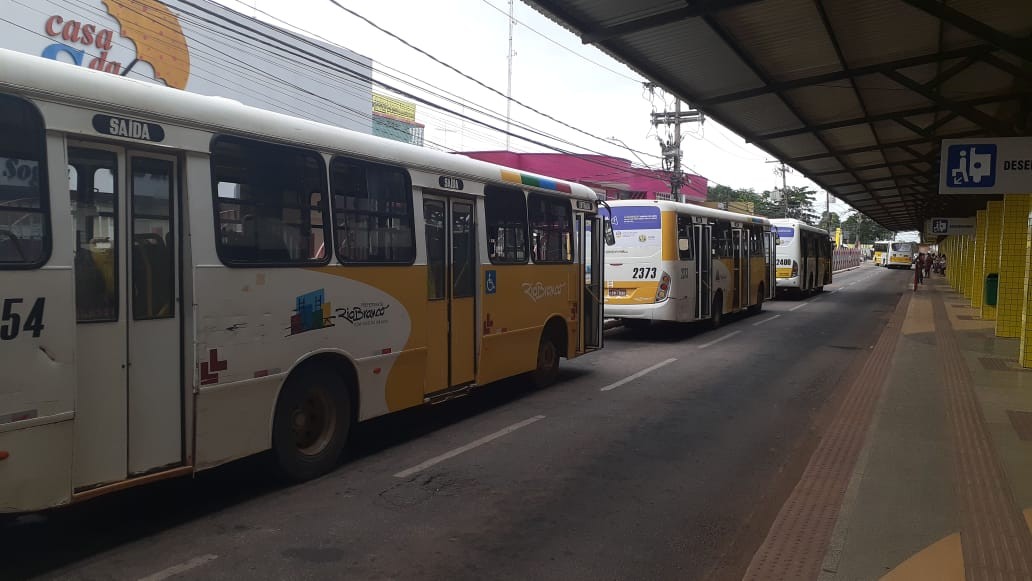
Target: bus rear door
{"points": [[452, 271]]}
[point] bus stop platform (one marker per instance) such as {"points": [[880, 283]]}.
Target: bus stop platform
{"points": [[925, 469]]}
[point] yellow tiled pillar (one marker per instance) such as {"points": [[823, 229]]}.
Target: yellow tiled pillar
{"points": [[978, 261], [1013, 261], [1025, 350], [991, 261]]}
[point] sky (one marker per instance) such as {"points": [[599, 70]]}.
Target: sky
{"points": [[553, 72]]}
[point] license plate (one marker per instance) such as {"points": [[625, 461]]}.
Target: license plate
{"points": [[617, 292]]}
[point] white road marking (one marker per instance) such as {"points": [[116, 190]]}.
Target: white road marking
{"points": [[758, 323], [852, 283], [180, 568], [645, 371], [461, 449], [715, 341], [799, 306]]}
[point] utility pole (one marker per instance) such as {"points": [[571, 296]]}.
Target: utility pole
{"points": [[783, 171], [508, 89], [672, 149], [675, 177]]}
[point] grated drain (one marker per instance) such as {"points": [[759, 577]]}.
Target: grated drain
{"points": [[999, 364], [1022, 423]]}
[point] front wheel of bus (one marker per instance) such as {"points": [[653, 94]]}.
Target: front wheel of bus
{"points": [[313, 417], [547, 370], [717, 313], [758, 305]]}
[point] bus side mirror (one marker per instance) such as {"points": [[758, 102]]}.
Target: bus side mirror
{"points": [[607, 228], [683, 244]]}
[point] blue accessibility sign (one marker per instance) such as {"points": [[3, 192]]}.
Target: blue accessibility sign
{"points": [[971, 165], [490, 281]]}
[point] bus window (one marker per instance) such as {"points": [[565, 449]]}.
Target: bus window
{"points": [[756, 247], [551, 229], [684, 232], [94, 201], [463, 255], [265, 198], [506, 211], [433, 215], [373, 206], [24, 226], [153, 258]]}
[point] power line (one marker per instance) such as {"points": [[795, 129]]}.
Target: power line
{"points": [[471, 78], [562, 46]]}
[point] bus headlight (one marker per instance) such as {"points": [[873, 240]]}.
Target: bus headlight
{"points": [[664, 287]]}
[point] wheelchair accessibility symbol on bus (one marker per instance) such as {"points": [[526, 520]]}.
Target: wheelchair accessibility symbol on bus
{"points": [[490, 281]]}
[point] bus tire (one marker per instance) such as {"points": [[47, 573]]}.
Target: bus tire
{"points": [[547, 369], [716, 312], [311, 425], [758, 306]]}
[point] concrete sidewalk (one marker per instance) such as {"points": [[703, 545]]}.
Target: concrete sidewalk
{"points": [[940, 470]]}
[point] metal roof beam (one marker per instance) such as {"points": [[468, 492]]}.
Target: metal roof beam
{"points": [[964, 109], [863, 168], [958, 19], [891, 116], [886, 145], [971, 51], [692, 10], [765, 78]]}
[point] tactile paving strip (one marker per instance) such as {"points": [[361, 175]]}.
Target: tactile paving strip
{"points": [[796, 543], [994, 537]]}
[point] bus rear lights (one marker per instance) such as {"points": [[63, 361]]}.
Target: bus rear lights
{"points": [[377, 370], [795, 269], [664, 287], [4, 454]]}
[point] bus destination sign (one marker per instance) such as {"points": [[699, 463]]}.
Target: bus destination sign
{"points": [[131, 128]]}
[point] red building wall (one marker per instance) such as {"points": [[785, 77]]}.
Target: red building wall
{"points": [[613, 174]]}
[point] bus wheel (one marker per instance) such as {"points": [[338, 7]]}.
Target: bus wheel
{"points": [[716, 313], [547, 370], [313, 417], [758, 306]]}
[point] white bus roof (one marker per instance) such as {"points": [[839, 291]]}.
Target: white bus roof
{"points": [[798, 224], [48, 80], [692, 209]]}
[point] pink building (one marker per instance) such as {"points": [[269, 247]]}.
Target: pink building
{"points": [[617, 177]]}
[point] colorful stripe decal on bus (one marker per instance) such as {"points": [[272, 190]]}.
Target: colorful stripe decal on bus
{"points": [[529, 180]]}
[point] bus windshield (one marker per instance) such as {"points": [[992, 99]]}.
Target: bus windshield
{"points": [[901, 247], [638, 231], [880, 246]]}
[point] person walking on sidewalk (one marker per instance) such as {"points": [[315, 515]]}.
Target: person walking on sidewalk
{"points": [[942, 264], [919, 267]]}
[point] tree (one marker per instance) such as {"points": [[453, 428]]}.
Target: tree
{"points": [[797, 203], [867, 231], [829, 222]]}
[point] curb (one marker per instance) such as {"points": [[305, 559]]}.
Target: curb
{"points": [[610, 324]]}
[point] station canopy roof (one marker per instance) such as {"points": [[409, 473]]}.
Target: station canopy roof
{"points": [[854, 94]]}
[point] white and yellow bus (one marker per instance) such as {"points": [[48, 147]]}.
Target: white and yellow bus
{"points": [[185, 281], [900, 255], [881, 252], [681, 262], [804, 255]]}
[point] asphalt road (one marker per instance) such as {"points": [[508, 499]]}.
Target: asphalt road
{"points": [[675, 473]]}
